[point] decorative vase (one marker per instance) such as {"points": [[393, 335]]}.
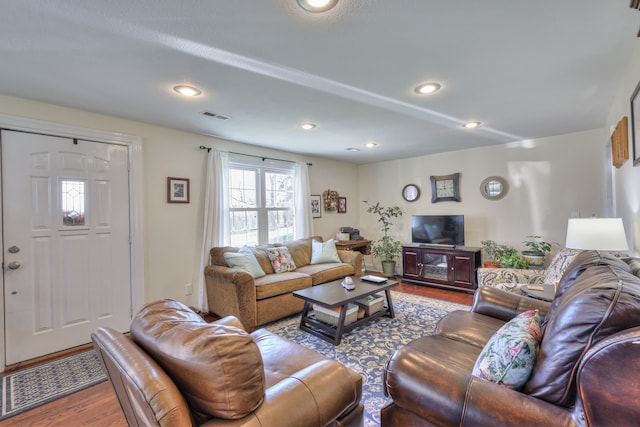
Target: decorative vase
{"points": [[536, 259], [388, 268]]}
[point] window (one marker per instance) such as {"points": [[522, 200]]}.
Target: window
{"points": [[72, 192], [261, 203]]}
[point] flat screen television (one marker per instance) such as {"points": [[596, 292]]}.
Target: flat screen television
{"points": [[445, 230]]}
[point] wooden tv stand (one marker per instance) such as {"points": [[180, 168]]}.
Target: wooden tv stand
{"points": [[453, 268]]}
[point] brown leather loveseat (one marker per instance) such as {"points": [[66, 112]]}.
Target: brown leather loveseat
{"points": [[586, 372], [178, 370]]}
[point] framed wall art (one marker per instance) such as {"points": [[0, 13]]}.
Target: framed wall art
{"points": [[316, 205], [635, 125], [342, 205], [177, 190]]}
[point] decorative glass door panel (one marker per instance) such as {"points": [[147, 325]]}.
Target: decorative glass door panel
{"points": [[435, 266]]}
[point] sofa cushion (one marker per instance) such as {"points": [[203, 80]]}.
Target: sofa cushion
{"points": [[245, 260], [323, 252], [300, 249], [602, 300], [280, 258], [323, 273], [559, 265], [217, 367], [508, 358], [283, 283]]}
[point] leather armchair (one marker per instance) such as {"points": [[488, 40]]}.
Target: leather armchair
{"points": [[300, 386], [584, 373]]}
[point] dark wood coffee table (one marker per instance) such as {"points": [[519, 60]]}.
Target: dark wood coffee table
{"points": [[332, 295]]}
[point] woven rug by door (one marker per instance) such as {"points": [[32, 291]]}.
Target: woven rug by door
{"points": [[36, 385], [367, 348]]}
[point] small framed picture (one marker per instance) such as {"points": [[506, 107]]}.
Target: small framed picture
{"points": [[177, 190], [342, 205], [316, 206]]}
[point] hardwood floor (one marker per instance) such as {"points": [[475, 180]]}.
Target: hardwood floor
{"points": [[98, 406]]}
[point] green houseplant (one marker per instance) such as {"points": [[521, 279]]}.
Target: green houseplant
{"points": [[386, 249], [511, 259], [537, 250], [493, 252]]}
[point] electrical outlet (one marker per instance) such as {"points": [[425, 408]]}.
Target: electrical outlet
{"points": [[188, 289]]}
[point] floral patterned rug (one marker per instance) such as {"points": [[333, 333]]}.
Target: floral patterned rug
{"points": [[367, 348]]}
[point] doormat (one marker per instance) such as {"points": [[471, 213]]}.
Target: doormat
{"points": [[34, 386], [367, 348]]}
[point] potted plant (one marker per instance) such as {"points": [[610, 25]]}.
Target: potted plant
{"points": [[537, 251], [493, 253], [511, 259], [387, 248]]}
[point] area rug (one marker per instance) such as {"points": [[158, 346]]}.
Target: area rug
{"points": [[30, 387], [367, 348]]}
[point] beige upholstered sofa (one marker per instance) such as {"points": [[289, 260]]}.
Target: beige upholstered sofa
{"points": [[255, 301]]}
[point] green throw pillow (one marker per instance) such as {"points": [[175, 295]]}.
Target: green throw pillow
{"points": [[509, 356], [245, 260], [281, 259], [324, 252]]}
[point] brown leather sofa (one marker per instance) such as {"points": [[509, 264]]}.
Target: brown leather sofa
{"points": [[586, 373], [178, 370], [233, 292]]}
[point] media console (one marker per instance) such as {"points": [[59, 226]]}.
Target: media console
{"points": [[446, 267]]}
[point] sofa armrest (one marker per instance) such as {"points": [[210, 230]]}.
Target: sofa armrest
{"points": [[231, 292], [449, 396], [505, 305], [320, 393], [495, 276], [352, 257]]}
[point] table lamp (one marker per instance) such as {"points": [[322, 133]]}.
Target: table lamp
{"points": [[605, 234]]}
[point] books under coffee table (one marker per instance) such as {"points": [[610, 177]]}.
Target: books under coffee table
{"points": [[332, 295]]}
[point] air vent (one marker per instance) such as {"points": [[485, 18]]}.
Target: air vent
{"points": [[215, 115]]}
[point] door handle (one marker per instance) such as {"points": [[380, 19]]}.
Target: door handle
{"points": [[14, 265]]}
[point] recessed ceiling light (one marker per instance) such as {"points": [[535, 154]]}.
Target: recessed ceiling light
{"points": [[307, 125], [472, 125], [317, 6], [427, 88], [353, 149], [370, 144], [187, 90]]}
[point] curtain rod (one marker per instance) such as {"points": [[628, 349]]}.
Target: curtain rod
{"points": [[202, 147]]}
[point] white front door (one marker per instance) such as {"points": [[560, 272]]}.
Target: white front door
{"points": [[66, 260]]}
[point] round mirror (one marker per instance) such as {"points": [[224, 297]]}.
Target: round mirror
{"points": [[494, 188]]}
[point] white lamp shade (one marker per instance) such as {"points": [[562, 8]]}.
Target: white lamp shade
{"points": [[605, 234]]}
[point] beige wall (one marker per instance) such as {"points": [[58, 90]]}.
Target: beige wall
{"points": [[626, 179], [549, 179], [172, 231]]}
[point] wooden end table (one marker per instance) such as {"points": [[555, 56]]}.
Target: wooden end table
{"points": [[332, 295]]}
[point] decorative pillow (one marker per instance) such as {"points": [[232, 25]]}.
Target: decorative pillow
{"points": [[280, 258], [559, 264], [509, 356], [324, 252], [245, 260]]}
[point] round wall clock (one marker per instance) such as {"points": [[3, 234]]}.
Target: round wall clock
{"points": [[411, 192]]}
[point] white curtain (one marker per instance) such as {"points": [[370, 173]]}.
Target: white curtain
{"points": [[303, 220], [216, 217]]}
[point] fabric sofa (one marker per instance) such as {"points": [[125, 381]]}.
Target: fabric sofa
{"points": [[177, 370], [585, 372], [513, 279], [258, 300]]}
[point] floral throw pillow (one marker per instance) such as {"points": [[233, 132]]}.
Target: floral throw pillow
{"points": [[281, 259], [509, 356]]}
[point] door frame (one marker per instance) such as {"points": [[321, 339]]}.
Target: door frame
{"points": [[136, 206]]}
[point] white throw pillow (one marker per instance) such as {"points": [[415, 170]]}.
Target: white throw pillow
{"points": [[324, 252], [245, 260]]}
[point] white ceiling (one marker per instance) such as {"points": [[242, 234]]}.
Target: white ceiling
{"points": [[526, 69]]}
